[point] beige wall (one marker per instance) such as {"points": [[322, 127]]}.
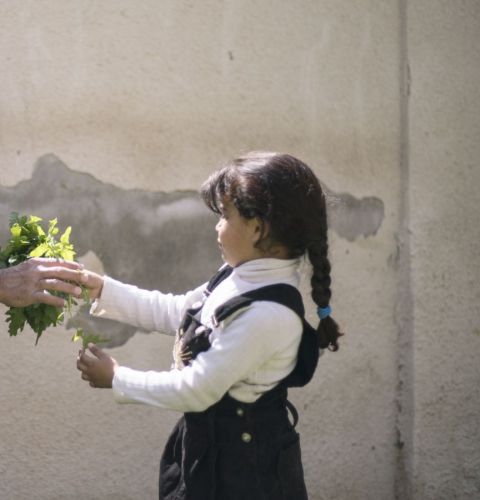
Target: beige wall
{"points": [[444, 50], [114, 112]]}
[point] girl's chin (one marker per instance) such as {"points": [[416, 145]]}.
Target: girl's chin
{"points": [[224, 258], [229, 261]]}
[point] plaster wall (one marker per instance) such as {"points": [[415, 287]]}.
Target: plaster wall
{"points": [[112, 114], [444, 55]]}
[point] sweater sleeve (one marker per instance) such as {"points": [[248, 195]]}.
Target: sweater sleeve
{"points": [[242, 346], [146, 309]]}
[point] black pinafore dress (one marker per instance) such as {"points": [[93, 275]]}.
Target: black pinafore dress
{"points": [[235, 450]]}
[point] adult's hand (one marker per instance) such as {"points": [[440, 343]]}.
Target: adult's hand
{"points": [[29, 282]]}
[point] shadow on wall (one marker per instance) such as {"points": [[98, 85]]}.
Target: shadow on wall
{"points": [[154, 240]]}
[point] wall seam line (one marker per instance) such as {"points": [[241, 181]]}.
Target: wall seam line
{"points": [[404, 310]]}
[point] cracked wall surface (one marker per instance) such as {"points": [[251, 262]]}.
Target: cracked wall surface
{"points": [[113, 113], [162, 241], [151, 239]]}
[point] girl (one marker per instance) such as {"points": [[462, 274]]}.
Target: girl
{"points": [[241, 340]]}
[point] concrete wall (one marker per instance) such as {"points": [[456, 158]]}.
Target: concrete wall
{"points": [[444, 131], [112, 114]]}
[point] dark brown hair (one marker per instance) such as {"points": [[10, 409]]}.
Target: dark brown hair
{"points": [[286, 196]]}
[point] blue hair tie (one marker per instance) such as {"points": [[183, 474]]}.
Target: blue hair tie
{"points": [[323, 312]]}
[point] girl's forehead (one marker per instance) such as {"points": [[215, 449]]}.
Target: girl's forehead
{"points": [[228, 207]]}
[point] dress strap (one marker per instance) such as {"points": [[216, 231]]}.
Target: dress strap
{"points": [[293, 411], [288, 296], [281, 293], [223, 273]]}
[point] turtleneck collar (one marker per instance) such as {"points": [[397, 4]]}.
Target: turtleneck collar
{"points": [[260, 270]]}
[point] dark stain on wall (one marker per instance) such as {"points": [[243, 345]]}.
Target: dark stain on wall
{"points": [[352, 218], [154, 240]]}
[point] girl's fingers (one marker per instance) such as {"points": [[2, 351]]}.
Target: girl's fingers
{"points": [[84, 362], [96, 351], [95, 370]]}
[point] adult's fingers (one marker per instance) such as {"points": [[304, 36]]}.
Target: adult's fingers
{"points": [[52, 262], [58, 285], [62, 273], [46, 298]]}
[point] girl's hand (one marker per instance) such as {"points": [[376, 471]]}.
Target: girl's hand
{"points": [[93, 282], [98, 370]]}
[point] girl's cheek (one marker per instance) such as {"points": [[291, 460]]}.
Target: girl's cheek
{"points": [[220, 225]]}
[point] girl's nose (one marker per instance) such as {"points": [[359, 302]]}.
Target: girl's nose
{"points": [[217, 225]]}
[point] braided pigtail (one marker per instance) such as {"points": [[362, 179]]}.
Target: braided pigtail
{"points": [[317, 250], [327, 328]]}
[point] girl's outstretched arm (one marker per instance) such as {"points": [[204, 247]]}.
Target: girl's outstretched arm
{"points": [[150, 310], [246, 344]]}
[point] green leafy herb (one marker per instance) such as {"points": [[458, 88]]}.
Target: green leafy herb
{"points": [[29, 239], [87, 338]]}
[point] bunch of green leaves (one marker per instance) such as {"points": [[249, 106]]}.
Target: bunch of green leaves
{"points": [[29, 239]]}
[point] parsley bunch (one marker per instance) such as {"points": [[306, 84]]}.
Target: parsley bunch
{"points": [[29, 239]]}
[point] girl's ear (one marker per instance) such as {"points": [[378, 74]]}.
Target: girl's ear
{"points": [[261, 230]]}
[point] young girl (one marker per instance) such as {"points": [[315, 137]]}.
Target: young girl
{"points": [[241, 339]]}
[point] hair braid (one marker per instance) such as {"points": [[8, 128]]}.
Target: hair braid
{"points": [[317, 249]]}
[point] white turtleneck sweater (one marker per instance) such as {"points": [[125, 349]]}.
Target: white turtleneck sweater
{"points": [[251, 351]]}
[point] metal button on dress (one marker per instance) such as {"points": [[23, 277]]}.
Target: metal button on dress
{"points": [[246, 437], [240, 412], [200, 329]]}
